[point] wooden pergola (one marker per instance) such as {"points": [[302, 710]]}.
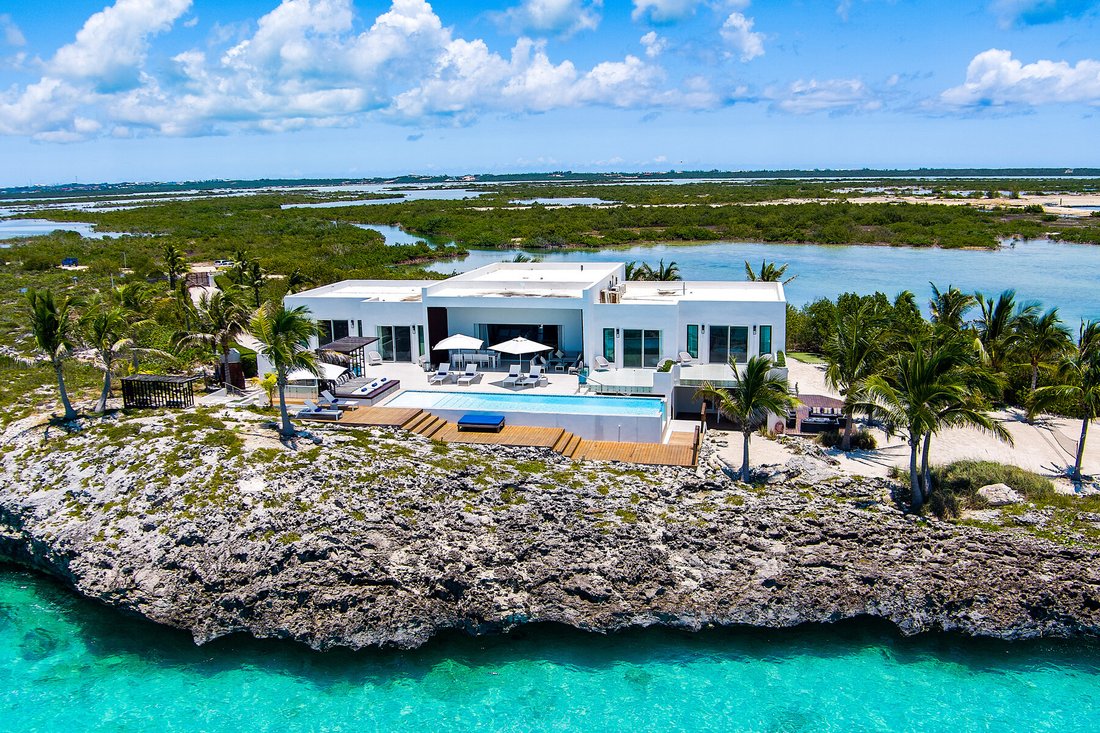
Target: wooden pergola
{"points": [[158, 390], [353, 348]]}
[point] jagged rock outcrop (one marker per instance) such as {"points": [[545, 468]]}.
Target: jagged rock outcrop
{"points": [[380, 538]]}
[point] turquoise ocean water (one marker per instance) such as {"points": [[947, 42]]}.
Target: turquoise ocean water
{"points": [[71, 665]]}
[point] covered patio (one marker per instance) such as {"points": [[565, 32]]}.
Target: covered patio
{"points": [[353, 349]]}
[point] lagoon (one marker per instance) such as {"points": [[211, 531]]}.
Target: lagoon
{"points": [[72, 665], [1056, 274]]}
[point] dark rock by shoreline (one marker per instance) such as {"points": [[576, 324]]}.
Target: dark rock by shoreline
{"points": [[381, 538]]}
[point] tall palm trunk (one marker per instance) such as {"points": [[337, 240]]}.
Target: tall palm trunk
{"points": [[70, 413], [846, 445], [745, 457], [1034, 374], [1081, 448], [926, 468], [287, 430], [917, 500]]}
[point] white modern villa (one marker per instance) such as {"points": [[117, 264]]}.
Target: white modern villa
{"points": [[586, 312]]}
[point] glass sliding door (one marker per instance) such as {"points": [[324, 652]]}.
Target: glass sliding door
{"points": [[395, 343], [331, 331], [641, 347], [693, 341], [729, 343]]}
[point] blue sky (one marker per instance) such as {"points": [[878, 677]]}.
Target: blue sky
{"points": [[186, 89]]}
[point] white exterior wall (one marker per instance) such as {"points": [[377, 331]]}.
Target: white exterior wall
{"points": [[465, 320]]}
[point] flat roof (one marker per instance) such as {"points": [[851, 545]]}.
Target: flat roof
{"points": [[528, 280], [380, 290], [686, 290]]}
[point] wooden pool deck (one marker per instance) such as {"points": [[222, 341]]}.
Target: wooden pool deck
{"points": [[681, 450]]}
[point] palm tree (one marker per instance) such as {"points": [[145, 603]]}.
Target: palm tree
{"points": [[999, 326], [634, 271], [1079, 374], [254, 280], [104, 329], [219, 319], [174, 264], [1043, 338], [853, 352], [664, 273], [52, 325], [949, 307], [768, 272], [284, 340], [297, 280], [925, 388], [755, 394]]}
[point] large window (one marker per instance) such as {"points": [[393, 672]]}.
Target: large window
{"points": [[395, 343], [765, 340], [693, 341], [641, 347], [331, 331], [609, 344], [729, 343]]}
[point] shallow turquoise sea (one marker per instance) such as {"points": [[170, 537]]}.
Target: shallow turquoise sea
{"points": [[70, 665]]}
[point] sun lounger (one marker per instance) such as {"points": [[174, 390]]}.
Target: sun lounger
{"points": [[328, 401], [513, 377], [470, 376], [443, 374], [313, 412], [686, 358], [374, 358], [533, 378], [481, 421]]}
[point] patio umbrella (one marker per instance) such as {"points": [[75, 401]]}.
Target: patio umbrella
{"points": [[520, 346], [458, 341]]}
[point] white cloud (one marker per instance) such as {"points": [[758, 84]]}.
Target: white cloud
{"points": [[664, 11], [10, 34], [737, 32], [559, 17], [654, 45], [830, 95], [995, 78], [110, 49]]}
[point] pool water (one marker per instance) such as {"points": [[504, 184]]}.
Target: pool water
{"points": [[537, 403], [71, 665]]}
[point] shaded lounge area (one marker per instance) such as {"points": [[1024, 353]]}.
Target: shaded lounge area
{"points": [[353, 349]]}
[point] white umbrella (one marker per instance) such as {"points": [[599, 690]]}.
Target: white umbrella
{"points": [[458, 341], [519, 346]]}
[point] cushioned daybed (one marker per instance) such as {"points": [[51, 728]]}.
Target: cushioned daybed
{"points": [[481, 421]]}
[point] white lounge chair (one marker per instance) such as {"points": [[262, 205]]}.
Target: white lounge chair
{"points": [[470, 376], [532, 379], [513, 377], [374, 358], [602, 364], [578, 367], [442, 374], [328, 400], [686, 358], [318, 413]]}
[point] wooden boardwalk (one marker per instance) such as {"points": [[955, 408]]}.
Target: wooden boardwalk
{"points": [[681, 450]]}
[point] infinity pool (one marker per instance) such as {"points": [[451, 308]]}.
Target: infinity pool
{"points": [[634, 419]]}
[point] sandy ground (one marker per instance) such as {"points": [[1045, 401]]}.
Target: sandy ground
{"points": [[1046, 448], [1066, 204]]}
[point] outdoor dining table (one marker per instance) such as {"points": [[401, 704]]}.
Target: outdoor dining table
{"points": [[461, 360]]}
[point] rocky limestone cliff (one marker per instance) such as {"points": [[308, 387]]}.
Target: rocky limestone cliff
{"points": [[376, 537]]}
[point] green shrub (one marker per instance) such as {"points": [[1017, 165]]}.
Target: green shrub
{"points": [[955, 486], [665, 365], [862, 439], [780, 359]]}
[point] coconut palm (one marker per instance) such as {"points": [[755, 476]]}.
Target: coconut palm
{"points": [[53, 327], [923, 389], [297, 280], [104, 329], [853, 351], [949, 307], [634, 271], [663, 272], [999, 326], [218, 320], [756, 393], [254, 279], [284, 340], [768, 272], [1079, 377], [175, 265], [1043, 339]]}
